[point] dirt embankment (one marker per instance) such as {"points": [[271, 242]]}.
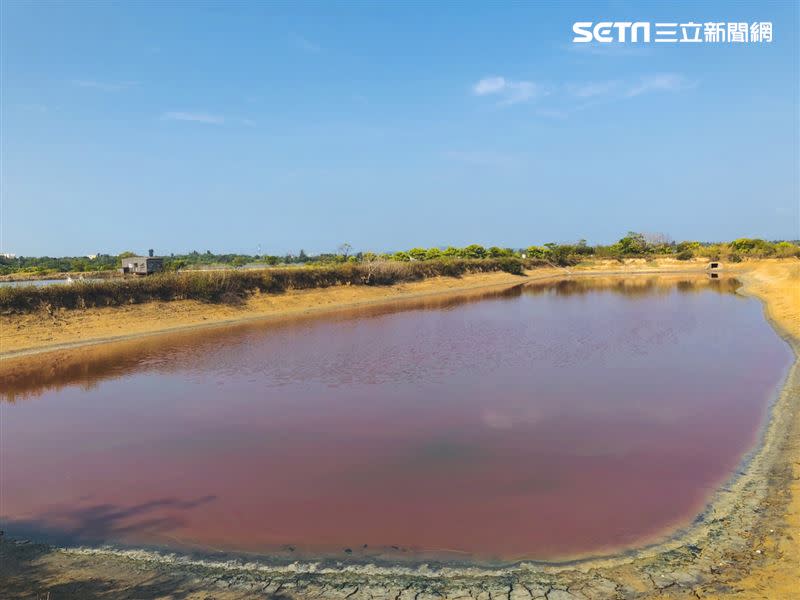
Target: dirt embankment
{"points": [[747, 545], [776, 573], [44, 331]]}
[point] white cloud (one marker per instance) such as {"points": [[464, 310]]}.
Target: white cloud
{"points": [[590, 93], [104, 86], [197, 117], [489, 85], [509, 91], [662, 82]]}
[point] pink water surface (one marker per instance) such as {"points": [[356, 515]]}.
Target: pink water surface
{"points": [[547, 422]]}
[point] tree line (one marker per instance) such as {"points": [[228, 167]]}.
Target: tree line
{"points": [[634, 244]]}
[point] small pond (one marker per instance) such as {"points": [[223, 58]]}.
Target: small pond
{"points": [[549, 421]]}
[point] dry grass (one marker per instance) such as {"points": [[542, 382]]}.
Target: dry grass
{"points": [[232, 287]]}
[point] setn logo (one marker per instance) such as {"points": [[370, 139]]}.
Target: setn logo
{"points": [[605, 31], [758, 32]]}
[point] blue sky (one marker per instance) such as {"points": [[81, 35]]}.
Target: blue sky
{"points": [[223, 126]]}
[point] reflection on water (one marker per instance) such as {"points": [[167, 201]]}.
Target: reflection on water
{"points": [[91, 364], [549, 420], [44, 282]]}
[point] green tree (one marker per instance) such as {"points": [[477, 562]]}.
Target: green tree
{"points": [[418, 253], [496, 252], [752, 246], [433, 254], [474, 251], [633, 243], [344, 250]]}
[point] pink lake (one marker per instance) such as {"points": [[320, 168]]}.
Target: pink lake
{"points": [[547, 422]]}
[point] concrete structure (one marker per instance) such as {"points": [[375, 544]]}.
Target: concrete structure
{"points": [[142, 265]]}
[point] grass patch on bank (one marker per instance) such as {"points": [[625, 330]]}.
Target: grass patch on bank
{"points": [[234, 286]]}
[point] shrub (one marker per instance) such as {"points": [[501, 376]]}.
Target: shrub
{"points": [[753, 246], [536, 252], [473, 251], [418, 253], [691, 246], [234, 286], [787, 250], [633, 243], [685, 255], [510, 265]]}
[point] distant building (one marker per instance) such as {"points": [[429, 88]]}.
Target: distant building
{"points": [[8, 255], [142, 265], [91, 256]]}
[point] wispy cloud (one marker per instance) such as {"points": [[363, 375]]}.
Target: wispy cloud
{"points": [[303, 43], [662, 82], [105, 86], [578, 97], [489, 85], [196, 117], [508, 90], [594, 88]]}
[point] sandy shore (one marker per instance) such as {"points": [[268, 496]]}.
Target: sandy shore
{"points": [[746, 545], [26, 334], [43, 332]]}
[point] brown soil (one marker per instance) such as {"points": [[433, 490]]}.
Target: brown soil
{"points": [[778, 576], [37, 332], [24, 334], [746, 546]]}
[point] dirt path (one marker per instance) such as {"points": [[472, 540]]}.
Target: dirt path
{"points": [[746, 546]]}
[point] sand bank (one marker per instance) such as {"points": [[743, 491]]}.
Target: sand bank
{"points": [[43, 331]]}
